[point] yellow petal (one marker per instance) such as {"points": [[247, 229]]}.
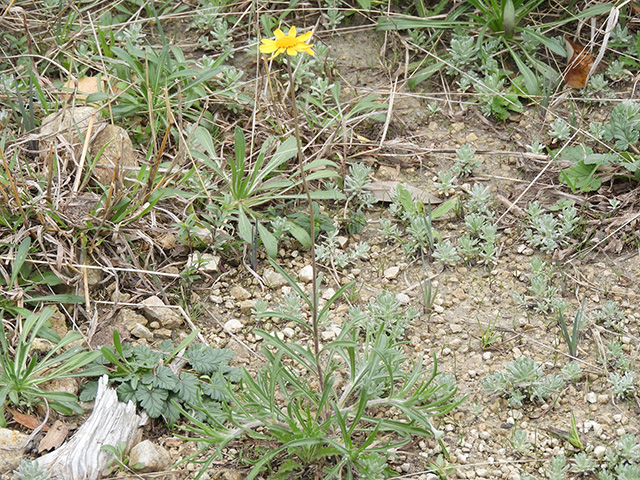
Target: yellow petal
{"points": [[292, 32], [268, 48], [305, 36], [278, 33]]}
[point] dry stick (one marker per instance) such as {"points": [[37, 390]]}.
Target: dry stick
{"points": [[524, 192], [312, 250], [85, 148], [12, 183]]}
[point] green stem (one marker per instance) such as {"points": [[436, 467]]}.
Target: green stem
{"points": [[312, 251]]}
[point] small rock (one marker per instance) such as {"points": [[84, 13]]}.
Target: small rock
{"points": [[599, 451], [306, 274], [328, 293], [403, 298], [486, 356], [149, 457], [391, 273], [233, 326], [342, 241], [203, 262], [246, 306], [130, 319], [603, 399], [455, 328], [273, 279], [591, 397], [288, 332], [471, 137], [239, 293], [140, 331], [12, 451], [163, 333], [155, 309]]}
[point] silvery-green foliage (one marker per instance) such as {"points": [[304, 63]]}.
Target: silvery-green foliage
{"points": [[465, 161], [30, 470], [559, 129], [571, 371], [616, 70], [520, 441], [446, 253], [332, 16], [622, 385], [385, 309], [356, 185], [447, 180], [583, 463], [523, 379], [558, 468], [463, 51], [480, 199]]}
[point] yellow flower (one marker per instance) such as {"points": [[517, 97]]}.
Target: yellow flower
{"points": [[287, 43]]}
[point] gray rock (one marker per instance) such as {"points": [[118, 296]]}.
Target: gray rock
{"points": [[155, 309], [273, 279], [149, 457], [140, 331], [391, 273], [306, 274], [239, 293], [129, 318], [233, 326], [12, 451], [203, 262]]}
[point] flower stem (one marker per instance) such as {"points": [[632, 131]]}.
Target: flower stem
{"points": [[312, 250]]}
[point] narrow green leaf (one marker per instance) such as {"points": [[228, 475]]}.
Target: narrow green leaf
{"points": [[268, 240], [244, 227], [21, 256]]}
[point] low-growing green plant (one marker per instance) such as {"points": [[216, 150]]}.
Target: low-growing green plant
{"points": [[548, 231], [295, 405], [416, 235], [30, 470], [23, 374], [619, 134], [571, 339], [558, 468], [523, 380], [541, 292], [622, 384], [520, 441], [145, 376], [330, 251], [583, 463], [248, 186]]}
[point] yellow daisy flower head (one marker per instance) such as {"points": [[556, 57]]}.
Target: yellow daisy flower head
{"points": [[289, 43]]}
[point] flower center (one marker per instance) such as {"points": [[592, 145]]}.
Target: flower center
{"points": [[287, 42]]}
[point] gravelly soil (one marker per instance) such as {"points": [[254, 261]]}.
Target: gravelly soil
{"points": [[472, 299]]}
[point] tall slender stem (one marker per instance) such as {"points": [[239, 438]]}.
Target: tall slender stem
{"points": [[312, 251]]}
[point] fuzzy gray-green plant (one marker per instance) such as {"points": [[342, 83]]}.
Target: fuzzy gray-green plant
{"points": [[523, 380]]}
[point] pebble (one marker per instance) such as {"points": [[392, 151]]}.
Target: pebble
{"points": [[149, 457], [591, 397], [603, 399], [203, 262], [273, 279], [328, 293], [288, 332], [486, 356], [403, 298], [306, 274], [599, 451], [239, 293], [233, 326], [391, 273]]}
